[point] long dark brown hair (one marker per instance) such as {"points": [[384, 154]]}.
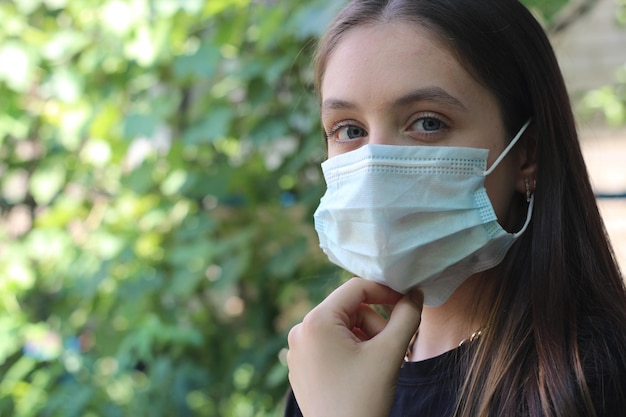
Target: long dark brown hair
{"points": [[557, 324]]}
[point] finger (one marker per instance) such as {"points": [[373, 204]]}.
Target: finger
{"points": [[294, 335], [404, 322], [292, 341], [360, 334], [347, 298], [369, 321]]}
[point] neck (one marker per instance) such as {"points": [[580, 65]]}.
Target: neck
{"points": [[444, 327]]}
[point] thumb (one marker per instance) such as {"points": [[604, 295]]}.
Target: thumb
{"points": [[405, 319]]}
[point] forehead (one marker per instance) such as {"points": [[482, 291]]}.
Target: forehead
{"points": [[387, 59]]}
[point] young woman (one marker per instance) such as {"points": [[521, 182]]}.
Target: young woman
{"points": [[455, 177]]}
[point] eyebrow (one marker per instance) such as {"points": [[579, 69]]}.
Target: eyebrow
{"points": [[432, 94], [435, 94]]}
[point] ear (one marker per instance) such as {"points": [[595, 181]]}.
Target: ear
{"points": [[526, 164]]}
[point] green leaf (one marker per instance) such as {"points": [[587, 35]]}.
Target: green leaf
{"points": [[63, 45], [267, 129], [19, 75], [212, 127], [47, 181], [140, 125], [66, 85], [312, 19], [202, 64], [286, 261]]}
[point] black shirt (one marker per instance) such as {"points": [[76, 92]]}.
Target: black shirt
{"points": [[425, 388], [431, 387]]}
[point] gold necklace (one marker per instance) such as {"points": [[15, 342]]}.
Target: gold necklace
{"points": [[474, 336]]}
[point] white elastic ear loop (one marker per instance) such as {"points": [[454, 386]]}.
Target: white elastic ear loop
{"points": [[508, 148], [529, 214]]}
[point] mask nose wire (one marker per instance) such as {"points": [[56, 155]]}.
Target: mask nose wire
{"points": [[508, 148]]}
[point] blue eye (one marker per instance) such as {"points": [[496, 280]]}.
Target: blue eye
{"points": [[346, 132], [429, 124], [350, 132]]}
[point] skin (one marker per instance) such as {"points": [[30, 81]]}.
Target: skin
{"points": [[395, 83]]}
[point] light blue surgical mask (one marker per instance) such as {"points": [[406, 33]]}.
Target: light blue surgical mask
{"points": [[408, 216]]}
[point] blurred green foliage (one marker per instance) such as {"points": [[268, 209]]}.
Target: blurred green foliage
{"points": [[159, 172], [608, 103], [545, 9]]}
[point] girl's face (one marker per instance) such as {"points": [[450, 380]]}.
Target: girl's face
{"points": [[395, 83]]}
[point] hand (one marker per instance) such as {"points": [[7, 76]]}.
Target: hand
{"points": [[344, 357]]}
